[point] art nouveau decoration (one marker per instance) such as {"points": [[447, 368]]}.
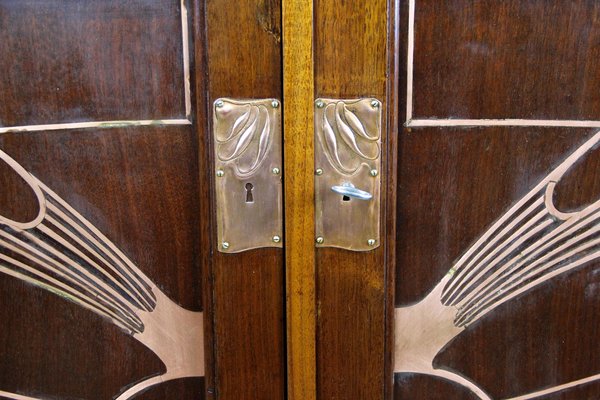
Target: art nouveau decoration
{"points": [[60, 251], [348, 173], [248, 164], [530, 244]]}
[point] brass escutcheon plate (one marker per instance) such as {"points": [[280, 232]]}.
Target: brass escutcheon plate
{"points": [[248, 171], [347, 159]]}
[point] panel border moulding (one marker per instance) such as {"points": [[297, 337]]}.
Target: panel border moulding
{"points": [[185, 36], [451, 122]]}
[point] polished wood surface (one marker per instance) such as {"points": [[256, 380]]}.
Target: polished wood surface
{"points": [[244, 61], [298, 81], [89, 61], [511, 59], [351, 61], [514, 59], [138, 185], [53, 347]]}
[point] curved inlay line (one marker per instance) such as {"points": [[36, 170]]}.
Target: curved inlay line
{"points": [[522, 246], [63, 253], [527, 246], [15, 396]]}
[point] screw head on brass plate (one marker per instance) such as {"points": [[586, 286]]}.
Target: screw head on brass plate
{"points": [[275, 103], [319, 171], [220, 173], [276, 171], [371, 242], [225, 245], [320, 104], [320, 240], [219, 103], [276, 239], [374, 103], [374, 172]]}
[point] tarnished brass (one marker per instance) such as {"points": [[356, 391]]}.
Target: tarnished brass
{"points": [[347, 173], [247, 140]]}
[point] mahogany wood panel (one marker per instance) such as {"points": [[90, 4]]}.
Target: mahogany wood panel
{"points": [[453, 183], [351, 61], [244, 61], [140, 187], [178, 389], [298, 81], [90, 61], [533, 59]]}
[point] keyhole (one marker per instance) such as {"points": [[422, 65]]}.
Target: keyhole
{"points": [[249, 197], [345, 198]]}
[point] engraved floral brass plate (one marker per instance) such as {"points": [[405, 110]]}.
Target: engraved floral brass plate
{"points": [[248, 170], [347, 173]]}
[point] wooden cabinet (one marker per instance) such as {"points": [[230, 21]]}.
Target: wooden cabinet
{"points": [[481, 283]]}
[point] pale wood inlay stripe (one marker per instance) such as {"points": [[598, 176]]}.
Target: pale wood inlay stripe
{"points": [[298, 89]]}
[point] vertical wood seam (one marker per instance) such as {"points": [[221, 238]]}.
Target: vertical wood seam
{"points": [[298, 83], [201, 111], [392, 119]]}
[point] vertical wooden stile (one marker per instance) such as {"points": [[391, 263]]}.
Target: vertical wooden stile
{"points": [[298, 89]]}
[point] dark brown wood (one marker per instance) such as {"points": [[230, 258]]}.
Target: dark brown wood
{"points": [[244, 61], [452, 185], [141, 186], [514, 59], [86, 61], [395, 100], [351, 61], [511, 59], [199, 67]]}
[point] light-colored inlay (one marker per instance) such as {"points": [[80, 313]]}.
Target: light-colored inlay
{"points": [[62, 252], [448, 122], [529, 245], [185, 33]]}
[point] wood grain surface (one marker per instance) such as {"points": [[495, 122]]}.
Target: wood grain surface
{"points": [[90, 61], [244, 61], [139, 185], [144, 201], [467, 179], [351, 61], [530, 59], [298, 80], [513, 59]]}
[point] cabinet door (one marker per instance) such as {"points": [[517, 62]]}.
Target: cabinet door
{"points": [[484, 282], [111, 284], [497, 201]]}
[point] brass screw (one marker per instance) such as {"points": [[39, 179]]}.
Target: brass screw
{"points": [[220, 173], [276, 239], [374, 172], [319, 171], [276, 171], [375, 104], [275, 104], [320, 104], [219, 103], [225, 245], [320, 240], [371, 242]]}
